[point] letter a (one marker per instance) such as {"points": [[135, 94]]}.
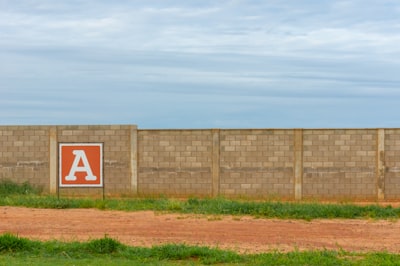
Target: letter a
{"points": [[80, 155]]}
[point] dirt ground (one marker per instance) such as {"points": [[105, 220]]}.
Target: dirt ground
{"points": [[241, 234]]}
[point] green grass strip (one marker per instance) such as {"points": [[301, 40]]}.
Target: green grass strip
{"points": [[15, 250], [12, 194], [218, 206]]}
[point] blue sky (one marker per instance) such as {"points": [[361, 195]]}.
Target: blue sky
{"points": [[201, 64]]}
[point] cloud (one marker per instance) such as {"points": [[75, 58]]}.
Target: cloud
{"points": [[200, 63], [274, 28]]}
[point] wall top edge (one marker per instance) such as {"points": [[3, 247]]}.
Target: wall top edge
{"points": [[69, 125], [186, 129], [294, 128]]}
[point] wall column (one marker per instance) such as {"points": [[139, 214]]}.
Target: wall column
{"points": [[298, 164], [215, 162], [53, 158], [134, 159], [380, 164]]}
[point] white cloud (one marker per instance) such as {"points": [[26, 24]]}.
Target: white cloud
{"points": [[204, 63]]}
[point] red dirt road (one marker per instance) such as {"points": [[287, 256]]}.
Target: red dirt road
{"points": [[242, 234]]}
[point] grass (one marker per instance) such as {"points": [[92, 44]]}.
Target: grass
{"points": [[15, 250], [217, 206], [8, 187], [24, 195]]}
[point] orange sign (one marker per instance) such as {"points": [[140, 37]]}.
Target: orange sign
{"points": [[81, 164]]}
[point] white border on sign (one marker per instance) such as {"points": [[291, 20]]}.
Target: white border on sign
{"points": [[60, 183]]}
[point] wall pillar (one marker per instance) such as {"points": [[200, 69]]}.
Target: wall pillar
{"points": [[298, 164], [53, 158], [134, 159], [215, 162], [380, 164]]}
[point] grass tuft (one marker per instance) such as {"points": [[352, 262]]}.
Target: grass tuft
{"points": [[8, 187], [204, 254], [104, 245], [12, 243]]}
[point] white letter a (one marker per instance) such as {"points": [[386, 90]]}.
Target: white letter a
{"points": [[80, 155]]}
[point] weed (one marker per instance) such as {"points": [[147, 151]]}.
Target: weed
{"points": [[104, 245], [8, 187], [12, 243], [173, 205]]}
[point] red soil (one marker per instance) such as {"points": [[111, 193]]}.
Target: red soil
{"points": [[242, 234]]}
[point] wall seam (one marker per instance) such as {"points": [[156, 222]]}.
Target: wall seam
{"points": [[298, 164], [215, 162], [380, 164], [53, 159], [134, 159]]}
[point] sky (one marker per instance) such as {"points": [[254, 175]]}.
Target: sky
{"points": [[170, 64]]}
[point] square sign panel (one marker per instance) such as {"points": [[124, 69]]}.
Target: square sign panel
{"points": [[81, 164]]}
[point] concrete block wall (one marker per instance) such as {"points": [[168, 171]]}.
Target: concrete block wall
{"points": [[24, 154], [352, 164], [175, 162], [256, 163], [392, 164], [29, 153], [339, 163], [116, 141]]}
